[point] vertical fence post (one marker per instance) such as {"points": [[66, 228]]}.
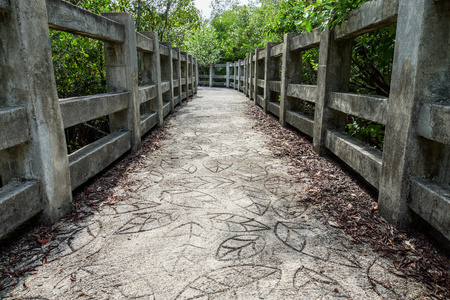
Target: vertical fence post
{"points": [[420, 76], [291, 72], [122, 75], [196, 75], [246, 76], [177, 74], [270, 72], [155, 71], [228, 75], [235, 75], [239, 76], [259, 72], [191, 75], [211, 69], [167, 75], [30, 82], [251, 74], [333, 75]]}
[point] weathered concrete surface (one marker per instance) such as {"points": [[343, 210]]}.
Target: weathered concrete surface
{"points": [[211, 215]]}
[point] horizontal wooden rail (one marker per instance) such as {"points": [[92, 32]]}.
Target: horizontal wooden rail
{"points": [[14, 128], [70, 18], [82, 109], [90, 160], [373, 108]]}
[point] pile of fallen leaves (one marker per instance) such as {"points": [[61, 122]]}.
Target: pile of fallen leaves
{"points": [[22, 252], [352, 207]]}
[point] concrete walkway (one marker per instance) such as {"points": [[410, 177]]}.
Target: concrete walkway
{"points": [[213, 215]]}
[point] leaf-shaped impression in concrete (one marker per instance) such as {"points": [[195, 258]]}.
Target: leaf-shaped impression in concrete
{"points": [[289, 207], [235, 223], [141, 222], [216, 165], [253, 200], [248, 281], [178, 166], [240, 247], [316, 285], [251, 173], [189, 199], [124, 208], [278, 185], [292, 235], [204, 182]]}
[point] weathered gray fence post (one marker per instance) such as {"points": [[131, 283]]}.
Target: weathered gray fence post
{"points": [[191, 75], [28, 83], [122, 75], [333, 75], [211, 71], [291, 72], [167, 75], [251, 75], [259, 75], [245, 76], [196, 75], [235, 75], [270, 73], [239, 76], [155, 71], [177, 74], [228, 75], [420, 78]]}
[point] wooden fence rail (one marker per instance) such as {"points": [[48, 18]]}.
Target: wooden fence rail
{"points": [[412, 174], [37, 175]]}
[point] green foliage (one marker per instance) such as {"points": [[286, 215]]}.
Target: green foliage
{"points": [[204, 45], [367, 131]]}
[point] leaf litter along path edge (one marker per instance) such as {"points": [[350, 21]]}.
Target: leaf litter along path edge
{"points": [[209, 214]]}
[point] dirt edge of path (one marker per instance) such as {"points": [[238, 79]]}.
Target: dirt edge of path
{"points": [[352, 207]]}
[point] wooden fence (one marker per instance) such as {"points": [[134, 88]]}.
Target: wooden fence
{"points": [[412, 174], [36, 173]]}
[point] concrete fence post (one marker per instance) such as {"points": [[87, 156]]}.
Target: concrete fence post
{"points": [[333, 75], [177, 74], [251, 74], [28, 81], [259, 74], [239, 76], [270, 73], [211, 69], [122, 75], [196, 74], [245, 76], [235, 75], [191, 75], [167, 75], [420, 76], [228, 75], [155, 71], [291, 72]]}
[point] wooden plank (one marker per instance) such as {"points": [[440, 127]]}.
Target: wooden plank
{"points": [[371, 16], [14, 128], [373, 108], [303, 92], [362, 158], [92, 159], [301, 122], [143, 43], [82, 109], [67, 17]]}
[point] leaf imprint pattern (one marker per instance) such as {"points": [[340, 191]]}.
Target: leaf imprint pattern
{"points": [[235, 223], [240, 247]]}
